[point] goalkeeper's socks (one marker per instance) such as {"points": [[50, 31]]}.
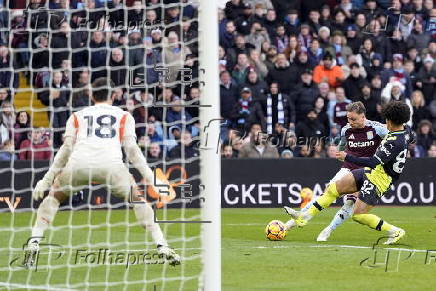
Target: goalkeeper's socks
{"points": [[45, 215], [343, 214], [374, 222], [145, 215]]}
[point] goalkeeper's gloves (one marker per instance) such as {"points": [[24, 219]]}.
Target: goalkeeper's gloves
{"points": [[40, 188]]}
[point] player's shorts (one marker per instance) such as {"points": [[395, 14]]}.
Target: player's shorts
{"points": [[340, 174], [369, 192], [117, 179]]}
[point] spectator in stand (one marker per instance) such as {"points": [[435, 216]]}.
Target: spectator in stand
{"points": [[22, 128], [241, 69], [315, 53], [371, 102], [321, 110], [227, 151], [8, 79], [331, 151], [376, 66], [225, 62], [432, 151], [426, 77], [366, 53], [7, 151], [60, 44], [257, 36], [56, 98], [227, 37], [118, 71], [228, 95], [305, 37], [4, 96], [4, 131], [418, 39], [281, 40], [177, 115], [324, 37], [284, 74], [353, 83], [36, 147], [98, 51], [420, 112], [327, 72], [278, 108], [186, 148], [425, 135], [399, 74], [354, 41], [154, 151], [339, 49], [292, 50], [313, 21], [305, 95], [8, 115], [258, 88], [311, 127], [339, 109], [247, 111], [258, 147], [245, 20], [258, 65]]}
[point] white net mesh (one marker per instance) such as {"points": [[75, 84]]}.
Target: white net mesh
{"points": [[50, 52]]}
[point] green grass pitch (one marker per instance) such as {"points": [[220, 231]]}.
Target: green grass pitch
{"points": [[249, 261]]}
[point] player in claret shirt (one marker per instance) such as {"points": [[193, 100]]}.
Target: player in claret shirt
{"points": [[372, 181], [360, 137]]}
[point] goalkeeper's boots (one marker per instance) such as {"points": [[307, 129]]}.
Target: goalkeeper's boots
{"points": [[291, 212], [170, 255], [395, 235], [31, 254]]}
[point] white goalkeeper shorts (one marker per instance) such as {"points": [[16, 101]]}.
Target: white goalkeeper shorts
{"points": [[116, 178], [340, 174]]}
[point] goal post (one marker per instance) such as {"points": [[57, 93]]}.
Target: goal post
{"points": [[210, 162]]}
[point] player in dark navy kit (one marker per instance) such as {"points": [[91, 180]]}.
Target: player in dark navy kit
{"points": [[372, 182], [360, 137]]}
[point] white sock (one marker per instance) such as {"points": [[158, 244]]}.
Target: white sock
{"points": [[144, 214], [343, 214], [45, 215], [290, 224]]}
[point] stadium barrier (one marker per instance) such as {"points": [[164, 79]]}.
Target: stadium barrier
{"points": [[245, 183]]}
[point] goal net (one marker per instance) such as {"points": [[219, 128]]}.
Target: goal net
{"points": [[161, 56]]}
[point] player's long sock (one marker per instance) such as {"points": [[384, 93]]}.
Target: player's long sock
{"points": [[144, 214], [374, 222], [45, 215], [343, 214], [310, 203], [324, 201]]}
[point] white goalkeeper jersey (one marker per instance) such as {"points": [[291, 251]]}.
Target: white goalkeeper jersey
{"points": [[98, 132]]}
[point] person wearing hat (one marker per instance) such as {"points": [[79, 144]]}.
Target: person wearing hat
{"points": [[398, 73], [353, 82], [354, 40], [376, 66], [292, 22], [233, 9], [305, 38], [327, 72], [305, 94], [324, 37], [245, 21], [406, 21], [247, 111], [310, 127]]}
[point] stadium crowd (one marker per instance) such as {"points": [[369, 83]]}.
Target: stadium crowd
{"points": [[288, 68]]}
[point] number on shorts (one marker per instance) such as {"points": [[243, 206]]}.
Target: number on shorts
{"points": [[367, 187], [104, 125]]}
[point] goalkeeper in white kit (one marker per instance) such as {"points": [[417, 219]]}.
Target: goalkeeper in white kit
{"points": [[92, 152]]}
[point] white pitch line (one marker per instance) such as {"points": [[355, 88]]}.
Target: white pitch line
{"points": [[336, 246], [33, 287]]}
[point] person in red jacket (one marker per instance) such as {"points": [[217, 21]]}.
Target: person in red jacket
{"points": [[37, 147]]}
